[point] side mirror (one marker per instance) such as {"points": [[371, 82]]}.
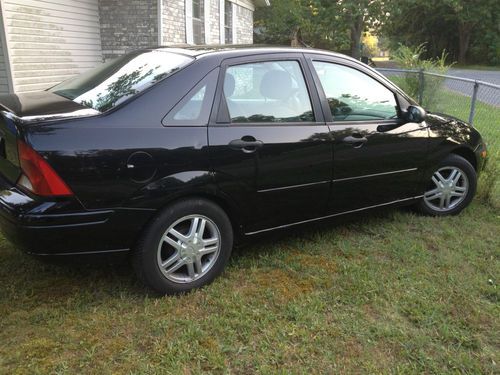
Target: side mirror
{"points": [[414, 113]]}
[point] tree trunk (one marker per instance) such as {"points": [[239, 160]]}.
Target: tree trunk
{"points": [[464, 34], [356, 31], [296, 38]]}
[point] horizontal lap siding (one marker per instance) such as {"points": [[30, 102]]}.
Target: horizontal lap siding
{"points": [[51, 40]]}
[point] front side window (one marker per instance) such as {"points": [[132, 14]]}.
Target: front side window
{"points": [[267, 92], [353, 95], [110, 84], [198, 21], [228, 22]]}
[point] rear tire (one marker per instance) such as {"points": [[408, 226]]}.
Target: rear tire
{"points": [[185, 247], [451, 188]]}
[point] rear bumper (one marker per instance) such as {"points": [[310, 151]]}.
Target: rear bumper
{"points": [[47, 228]]}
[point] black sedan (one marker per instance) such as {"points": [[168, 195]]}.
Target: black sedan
{"points": [[171, 155]]}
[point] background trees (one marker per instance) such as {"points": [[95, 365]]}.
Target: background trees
{"points": [[327, 24], [469, 30]]}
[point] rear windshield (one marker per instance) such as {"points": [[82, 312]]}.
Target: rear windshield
{"points": [[110, 84]]}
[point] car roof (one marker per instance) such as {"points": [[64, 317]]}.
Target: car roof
{"points": [[233, 50]]}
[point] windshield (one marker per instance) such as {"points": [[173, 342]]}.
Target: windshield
{"points": [[110, 84]]}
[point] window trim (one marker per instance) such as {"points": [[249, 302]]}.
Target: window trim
{"points": [[222, 36], [353, 65], [234, 19], [206, 21], [225, 20], [188, 6], [234, 16], [220, 113]]}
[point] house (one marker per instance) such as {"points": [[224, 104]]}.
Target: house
{"points": [[43, 42]]}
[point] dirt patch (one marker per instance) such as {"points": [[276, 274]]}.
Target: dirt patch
{"points": [[283, 285], [312, 261]]}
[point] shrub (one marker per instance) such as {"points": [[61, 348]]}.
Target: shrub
{"points": [[411, 58]]}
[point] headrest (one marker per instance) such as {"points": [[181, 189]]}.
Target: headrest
{"points": [[229, 85], [276, 84]]}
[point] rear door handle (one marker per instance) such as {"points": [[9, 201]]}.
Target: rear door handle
{"points": [[250, 145], [355, 141]]}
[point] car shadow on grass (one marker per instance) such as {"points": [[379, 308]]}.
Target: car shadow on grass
{"points": [[104, 277], [258, 245]]}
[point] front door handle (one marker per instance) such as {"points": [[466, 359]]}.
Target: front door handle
{"points": [[246, 144], [356, 141]]}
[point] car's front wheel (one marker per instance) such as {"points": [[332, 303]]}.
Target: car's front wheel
{"points": [[185, 247], [450, 189]]}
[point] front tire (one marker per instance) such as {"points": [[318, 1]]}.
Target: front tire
{"points": [[450, 189], [186, 247]]}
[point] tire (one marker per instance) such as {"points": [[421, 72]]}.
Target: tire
{"points": [[185, 247], [450, 189]]}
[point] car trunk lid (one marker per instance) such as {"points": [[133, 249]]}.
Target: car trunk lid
{"points": [[19, 111]]}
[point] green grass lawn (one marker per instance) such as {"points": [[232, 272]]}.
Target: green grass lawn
{"points": [[387, 293]]}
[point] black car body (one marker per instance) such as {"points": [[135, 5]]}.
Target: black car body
{"points": [[123, 163]]}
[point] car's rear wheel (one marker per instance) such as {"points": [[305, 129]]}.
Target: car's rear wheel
{"points": [[185, 247], [450, 189]]}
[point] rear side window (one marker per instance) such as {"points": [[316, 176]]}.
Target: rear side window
{"points": [[194, 108], [353, 95], [110, 84], [272, 91]]}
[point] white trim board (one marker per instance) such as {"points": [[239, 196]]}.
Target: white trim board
{"points": [[189, 21], [5, 48], [206, 21], [235, 23], [222, 19], [245, 4]]}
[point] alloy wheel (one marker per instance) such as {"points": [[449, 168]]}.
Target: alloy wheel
{"points": [[189, 248], [449, 188]]}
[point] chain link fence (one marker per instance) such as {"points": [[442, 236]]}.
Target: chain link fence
{"points": [[473, 101], [476, 102]]}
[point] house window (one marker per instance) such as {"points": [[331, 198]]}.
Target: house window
{"points": [[228, 22], [198, 21]]}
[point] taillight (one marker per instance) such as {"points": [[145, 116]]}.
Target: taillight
{"points": [[37, 175]]}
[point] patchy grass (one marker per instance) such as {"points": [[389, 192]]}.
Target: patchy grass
{"points": [[387, 293]]}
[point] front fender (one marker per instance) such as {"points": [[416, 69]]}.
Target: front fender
{"points": [[450, 135]]}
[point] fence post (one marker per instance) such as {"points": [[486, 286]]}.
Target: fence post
{"points": [[420, 86], [473, 103]]}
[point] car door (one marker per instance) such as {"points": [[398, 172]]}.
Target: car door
{"points": [[269, 145], [378, 157]]}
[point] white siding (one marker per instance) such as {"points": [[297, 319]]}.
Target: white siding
{"points": [[50, 40]]}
